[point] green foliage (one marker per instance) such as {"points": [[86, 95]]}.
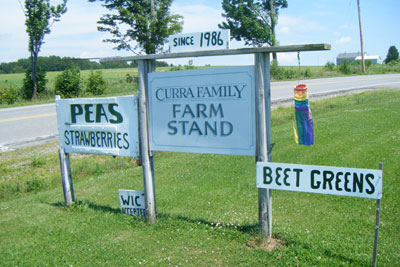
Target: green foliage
{"points": [[40, 15], [345, 68], [130, 78], [281, 73], [188, 66], [392, 55], [146, 25], [330, 66], [95, 84], [68, 83], [55, 63], [307, 73], [252, 20], [8, 94], [41, 81]]}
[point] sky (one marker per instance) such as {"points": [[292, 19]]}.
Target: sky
{"points": [[303, 22]]}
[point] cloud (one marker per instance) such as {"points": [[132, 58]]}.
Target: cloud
{"points": [[300, 24], [343, 40], [283, 30], [287, 58], [194, 15]]}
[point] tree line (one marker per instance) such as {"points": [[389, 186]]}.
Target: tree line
{"points": [[143, 26], [56, 63]]}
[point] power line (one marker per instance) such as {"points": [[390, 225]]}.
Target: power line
{"points": [[22, 7]]}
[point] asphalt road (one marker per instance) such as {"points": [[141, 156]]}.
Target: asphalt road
{"points": [[33, 125]]}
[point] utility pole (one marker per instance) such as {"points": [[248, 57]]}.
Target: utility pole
{"points": [[361, 39]]}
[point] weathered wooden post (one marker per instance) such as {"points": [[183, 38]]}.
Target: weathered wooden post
{"points": [[66, 177], [144, 66], [377, 222], [263, 136]]}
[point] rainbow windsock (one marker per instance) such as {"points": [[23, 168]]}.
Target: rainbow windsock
{"points": [[303, 130]]}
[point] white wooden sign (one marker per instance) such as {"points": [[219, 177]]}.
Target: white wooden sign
{"points": [[363, 183], [99, 125], [132, 202], [203, 111], [210, 40]]}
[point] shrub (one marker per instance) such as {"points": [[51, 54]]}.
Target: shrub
{"points": [[176, 68], [330, 66], [276, 71], [345, 68], [307, 73], [130, 78], [95, 84], [8, 94], [68, 83], [27, 87]]}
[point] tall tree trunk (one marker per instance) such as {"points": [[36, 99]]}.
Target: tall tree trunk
{"points": [[273, 42], [34, 73]]}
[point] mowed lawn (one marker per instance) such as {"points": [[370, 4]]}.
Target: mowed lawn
{"points": [[207, 204]]}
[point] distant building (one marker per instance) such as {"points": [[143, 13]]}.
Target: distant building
{"points": [[352, 57], [373, 59]]}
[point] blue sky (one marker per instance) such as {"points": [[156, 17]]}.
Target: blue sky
{"points": [[303, 22]]}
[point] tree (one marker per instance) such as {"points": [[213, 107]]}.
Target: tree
{"points": [[254, 21], [40, 16], [149, 23], [393, 54]]}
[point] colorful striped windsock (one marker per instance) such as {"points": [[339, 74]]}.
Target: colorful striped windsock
{"points": [[303, 129]]}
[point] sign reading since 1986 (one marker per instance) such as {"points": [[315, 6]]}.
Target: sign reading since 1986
{"points": [[211, 40], [99, 125], [320, 179], [203, 111]]}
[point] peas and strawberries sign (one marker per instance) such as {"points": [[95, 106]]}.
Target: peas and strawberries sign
{"points": [[106, 126]]}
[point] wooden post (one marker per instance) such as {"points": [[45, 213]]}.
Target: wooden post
{"points": [[263, 136], [378, 216], [66, 178], [146, 159]]}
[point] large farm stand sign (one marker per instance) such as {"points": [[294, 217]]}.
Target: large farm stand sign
{"points": [[203, 111], [99, 125]]}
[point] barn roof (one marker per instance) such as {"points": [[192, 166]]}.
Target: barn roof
{"points": [[349, 55]]}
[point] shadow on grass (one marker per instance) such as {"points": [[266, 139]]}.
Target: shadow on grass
{"points": [[254, 231], [86, 204], [250, 229], [326, 252]]}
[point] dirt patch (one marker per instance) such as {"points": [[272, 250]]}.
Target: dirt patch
{"points": [[266, 244]]}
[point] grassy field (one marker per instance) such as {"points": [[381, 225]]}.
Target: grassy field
{"points": [[207, 204], [122, 81]]}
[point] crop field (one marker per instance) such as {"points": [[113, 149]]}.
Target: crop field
{"points": [[207, 208]]}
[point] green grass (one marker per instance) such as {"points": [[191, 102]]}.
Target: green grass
{"points": [[207, 204]]}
